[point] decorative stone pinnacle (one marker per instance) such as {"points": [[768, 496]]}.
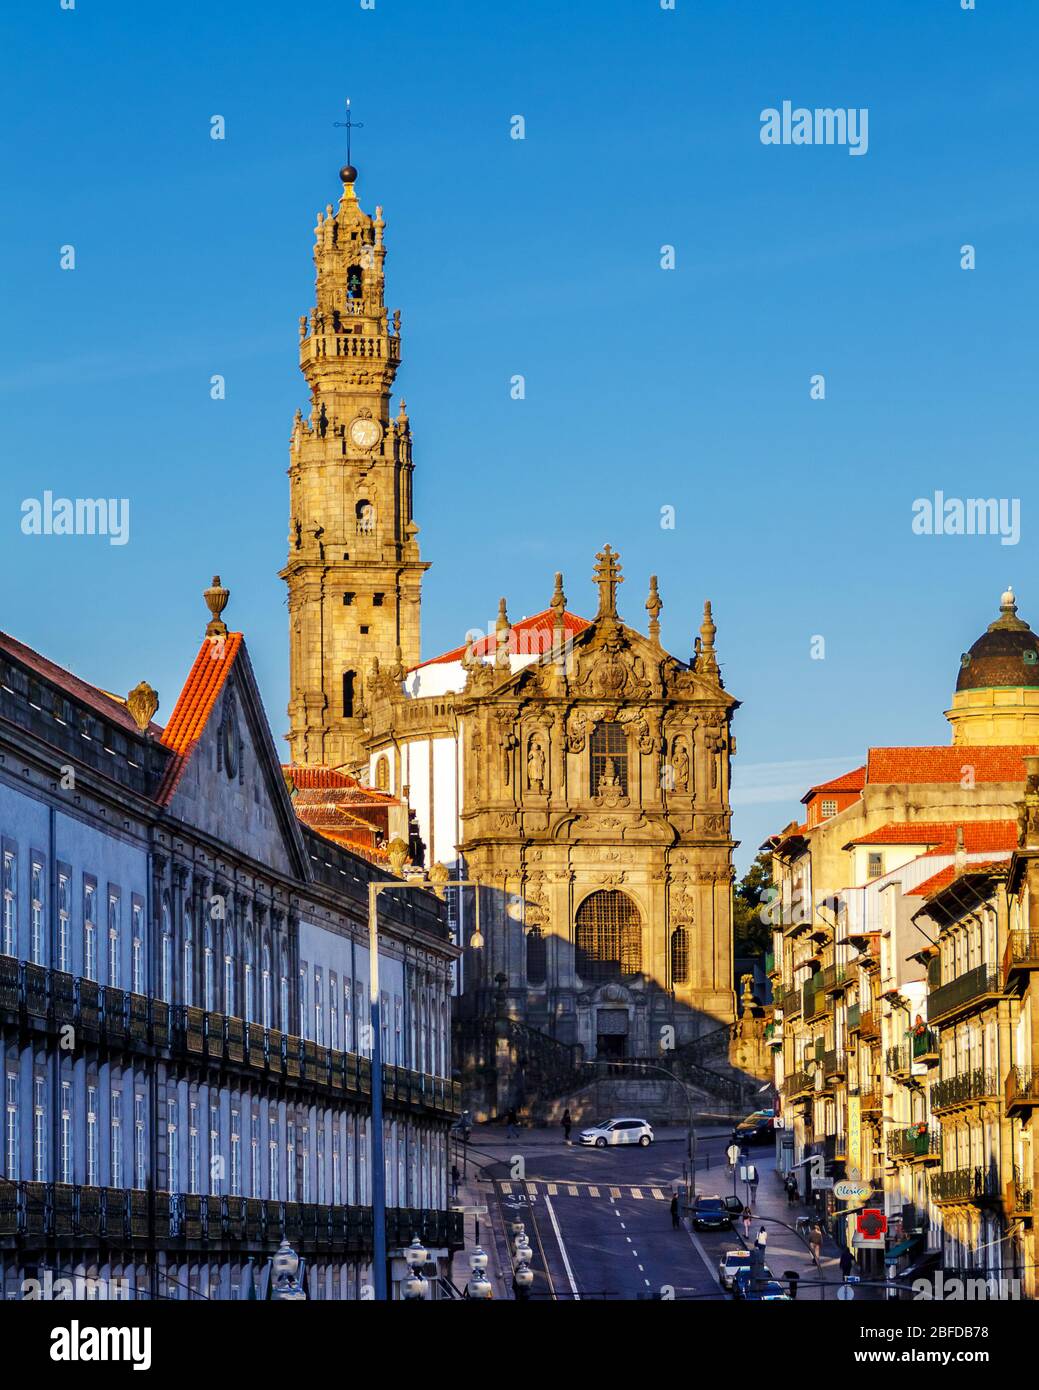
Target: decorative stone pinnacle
{"points": [[653, 606], [1008, 619], [216, 601], [502, 629], [608, 576]]}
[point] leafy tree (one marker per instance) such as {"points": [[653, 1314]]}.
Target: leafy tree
{"points": [[752, 936]]}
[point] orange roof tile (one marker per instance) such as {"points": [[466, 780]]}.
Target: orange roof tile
{"points": [[528, 637], [195, 704], [945, 876], [946, 763], [852, 781], [977, 835]]}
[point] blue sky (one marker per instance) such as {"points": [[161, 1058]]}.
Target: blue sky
{"points": [[645, 388]]}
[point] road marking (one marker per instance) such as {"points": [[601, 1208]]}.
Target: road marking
{"points": [[636, 1192], [643, 1271], [573, 1191], [506, 1187], [615, 1192], [562, 1247], [552, 1189], [658, 1194], [635, 1253], [593, 1192], [623, 1227], [646, 1282], [532, 1189], [628, 1239]]}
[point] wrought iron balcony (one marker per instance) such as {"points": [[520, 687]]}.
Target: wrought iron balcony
{"points": [[1021, 1090], [915, 1144], [964, 992], [834, 979], [979, 1186], [968, 1088], [1021, 954], [900, 1060], [925, 1047]]}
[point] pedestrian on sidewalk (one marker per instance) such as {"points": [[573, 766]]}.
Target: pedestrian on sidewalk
{"points": [[747, 1218], [754, 1188], [815, 1242], [567, 1126], [512, 1123], [675, 1222], [456, 1178], [792, 1194], [847, 1263]]}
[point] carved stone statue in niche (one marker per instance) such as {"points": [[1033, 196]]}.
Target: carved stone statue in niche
{"points": [[680, 765], [536, 765], [610, 792]]}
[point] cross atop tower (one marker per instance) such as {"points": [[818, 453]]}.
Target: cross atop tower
{"points": [[349, 125], [608, 576]]}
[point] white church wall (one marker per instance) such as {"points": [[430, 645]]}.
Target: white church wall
{"points": [[445, 800]]}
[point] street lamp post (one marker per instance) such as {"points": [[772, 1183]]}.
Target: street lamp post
{"points": [[438, 879]]}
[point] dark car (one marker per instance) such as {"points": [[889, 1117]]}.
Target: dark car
{"points": [[743, 1283], [758, 1128], [711, 1214], [773, 1292]]}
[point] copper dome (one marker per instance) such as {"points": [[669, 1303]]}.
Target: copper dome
{"points": [[1006, 654]]}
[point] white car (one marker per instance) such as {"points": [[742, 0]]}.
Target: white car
{"points": [[622, 1131], [730, 1265]]}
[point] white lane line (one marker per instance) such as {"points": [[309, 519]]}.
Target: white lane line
{"points": [[641, 1269], [623, 1227], [552, 1189], [635, 1253], [593, 1192], [658, 1194], [615, 1192], [636, 1192], [562, 1247], [628, 1239], [573, 1191], [646, 1282]]}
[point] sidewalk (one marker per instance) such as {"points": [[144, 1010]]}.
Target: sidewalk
{"points": [[784, 1249]]}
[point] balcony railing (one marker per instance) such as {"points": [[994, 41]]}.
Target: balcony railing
{"points": [[1021, 1090], [925, 1046], [834, 1063], [900, 1060], [914, 1143], [869, 1024], [1021, 953], [834, 978], [965, 1185], [40, 998], [870, 1101], [963, 992], [964, 1089], [798, 1082], [854, 1014], [31, 1211]]}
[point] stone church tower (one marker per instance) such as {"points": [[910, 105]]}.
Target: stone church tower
{"points": [[354, 573]]}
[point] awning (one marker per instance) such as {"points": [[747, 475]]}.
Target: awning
{"points": [[901, 1248], [923, 1265]]}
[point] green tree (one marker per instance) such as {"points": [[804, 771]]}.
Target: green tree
{"points": [[752, 936]]}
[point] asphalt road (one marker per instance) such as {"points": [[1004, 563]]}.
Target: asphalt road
{"points": [[600, 1219]]}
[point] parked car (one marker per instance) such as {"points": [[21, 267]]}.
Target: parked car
{"points": [[730, 1264], [757, 1128], [742, 1283], [733, 1205], [711, 1214], [773, 1292], [618, 1131]]}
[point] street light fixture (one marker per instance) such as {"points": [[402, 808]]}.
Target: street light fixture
{"points": [[416, 1286], [479, 1285]]}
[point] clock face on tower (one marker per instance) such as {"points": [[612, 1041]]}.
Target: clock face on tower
{"points": [[365, 433]]}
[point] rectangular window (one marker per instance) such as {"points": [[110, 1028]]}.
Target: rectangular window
{"points": [[92, 1138], [236, 1152], [337, 1193], [333, 1004], [829, 808], [214, 1149], [194, 1149], [362, 1023], [304, 1017], [305, 1147], [348, 1016], [66, 1131], [377, 600], [876, 865], [116, 1137], [9, 914], [64, 923], [319, 1021], [290, 1162], [321, 1195], [36, 913], [273, 1184], [254, 1155], [11, 1126], [140, 1137], [89, 931], [172, 1150], [114, 972], [137, 952], [398, 1034], [39, 1130]]}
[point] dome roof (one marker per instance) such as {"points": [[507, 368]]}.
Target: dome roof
{"points": [[1006, 654]]}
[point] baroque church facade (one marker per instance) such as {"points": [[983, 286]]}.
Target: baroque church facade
{"points": [[574, 768]]}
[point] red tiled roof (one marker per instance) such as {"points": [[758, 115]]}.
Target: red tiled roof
{"points": [[977, 835], [945, 876], [107, 706], [946, 763], [852, 781], [195, 704], [349, 789], [528, 637]]}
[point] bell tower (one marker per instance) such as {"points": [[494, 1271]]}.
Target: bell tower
{"points": [[354, 574]]}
